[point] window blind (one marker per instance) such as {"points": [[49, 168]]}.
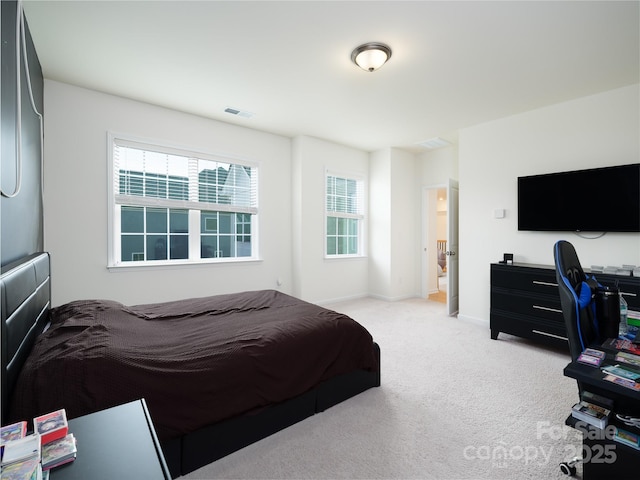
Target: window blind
{"points": [[148, 177]]}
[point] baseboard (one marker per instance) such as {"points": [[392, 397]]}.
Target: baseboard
{"points": [[393, 299], [324, 303], [476, 320]]}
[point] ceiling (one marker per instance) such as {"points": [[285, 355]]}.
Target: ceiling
{"points": [[454, 64]]}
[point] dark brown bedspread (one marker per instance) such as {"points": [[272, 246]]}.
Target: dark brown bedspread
{"points": [[195, 361]]}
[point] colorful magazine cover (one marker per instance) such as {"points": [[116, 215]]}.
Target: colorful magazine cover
{"points": [[24, 470], [11, 432], [59, 452], [619, 344], [51, 426], [21, 449]]}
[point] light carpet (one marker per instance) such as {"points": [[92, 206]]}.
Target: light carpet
{"points": [[453, 404]]}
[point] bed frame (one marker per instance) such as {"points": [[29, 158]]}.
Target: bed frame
{"points": [[26, 299]]}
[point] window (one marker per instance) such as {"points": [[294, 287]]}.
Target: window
{"points": [[172, 206], [344, 216]]}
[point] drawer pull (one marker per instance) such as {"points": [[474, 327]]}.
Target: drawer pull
{"points": [[550, 335], [547, 284], [548, 309]]}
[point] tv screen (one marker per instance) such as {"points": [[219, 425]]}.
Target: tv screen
{"points": [[596, 200]]}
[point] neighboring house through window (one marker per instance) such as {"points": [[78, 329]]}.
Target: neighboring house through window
{"points": [[344, 215], [175, 206]]}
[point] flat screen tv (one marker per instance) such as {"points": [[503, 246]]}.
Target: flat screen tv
{"points": [[596, 200]]}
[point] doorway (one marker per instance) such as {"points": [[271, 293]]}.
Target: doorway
{"points": [[440, 244], [436, 253]]}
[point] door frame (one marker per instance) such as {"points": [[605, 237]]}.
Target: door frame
{"points": [[428, 260]]}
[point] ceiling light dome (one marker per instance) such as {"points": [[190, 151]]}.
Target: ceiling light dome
{"points": [[371, 56]]}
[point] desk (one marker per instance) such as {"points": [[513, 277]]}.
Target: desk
{"points": [[627, 402], [117, 443]]}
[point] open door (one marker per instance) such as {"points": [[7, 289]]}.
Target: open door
{"points": [[452, 247]]}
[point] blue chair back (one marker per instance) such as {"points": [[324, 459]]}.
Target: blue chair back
{"points": [[576, 297]]}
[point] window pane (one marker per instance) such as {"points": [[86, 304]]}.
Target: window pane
{"points": [[332, 225], [331, 185], [243, 247], [208, 222], [132, 220], [131, 182], [156, 247], [131, 159], [225, 222], [155, 162], [226, 246], [179, 188], [208, 193], [211, 179], [342, 226], [352, 187], [343, 246], [246, 230], [352, 205], [156, 220], [132, 248], [353, 246], [353, 226], [331, 246], [155, 185], [179, 247], [178, 221], [208, 246]]}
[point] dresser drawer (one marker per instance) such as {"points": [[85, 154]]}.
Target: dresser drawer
{"points": [[531, 305], [538, 329], [531, 280]]}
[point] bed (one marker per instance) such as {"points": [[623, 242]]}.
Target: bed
{"points": [[217, 373]]}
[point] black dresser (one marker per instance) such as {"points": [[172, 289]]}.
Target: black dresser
{"points": [[525, 301]]}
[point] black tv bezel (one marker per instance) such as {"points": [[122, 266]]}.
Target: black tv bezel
{"points": [[605, 175]]}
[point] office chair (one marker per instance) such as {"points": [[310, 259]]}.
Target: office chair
{"points": [[576, 295]]}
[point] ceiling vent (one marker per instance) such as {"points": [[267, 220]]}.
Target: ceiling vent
{"points": [[434, 143], [239, 113]]}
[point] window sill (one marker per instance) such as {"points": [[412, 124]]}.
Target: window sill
{"points": [[332, 258], [126, 267]]}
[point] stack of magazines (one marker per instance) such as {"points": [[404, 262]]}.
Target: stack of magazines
{"points": [[591, 413], [59, 452], [30, 457]]}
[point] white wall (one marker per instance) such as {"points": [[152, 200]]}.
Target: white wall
{"points": [[589, 132], [380, 224], [405, 227], [394, 225], [76, 125], [436, 167], [319, 279]]}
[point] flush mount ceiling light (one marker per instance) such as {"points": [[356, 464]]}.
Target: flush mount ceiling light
{"points": [[371, 56]]}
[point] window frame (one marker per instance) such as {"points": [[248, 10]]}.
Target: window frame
{"points": [[193, 205], [361, 216]]}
